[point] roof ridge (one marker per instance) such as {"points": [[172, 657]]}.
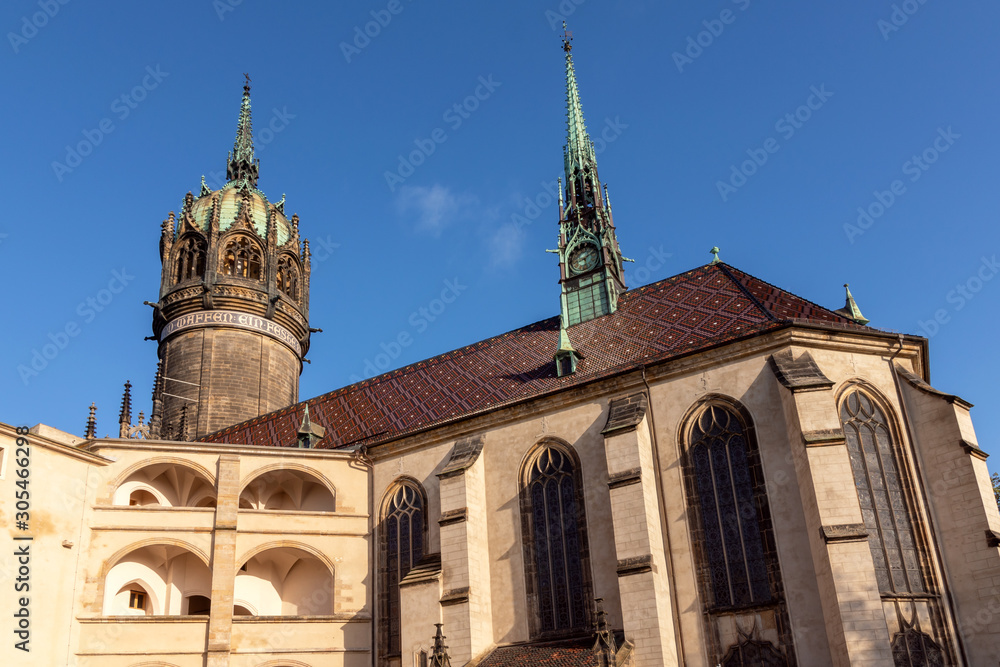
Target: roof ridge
{"points": [[782, 289], [743, 288]]}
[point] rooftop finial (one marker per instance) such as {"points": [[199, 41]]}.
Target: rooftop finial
{"points": [[851, 310], [567, 38], [439, 655], [715, 255], [242, 163], [91, 423], [125, 415]]}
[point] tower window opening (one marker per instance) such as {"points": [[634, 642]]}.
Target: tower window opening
{"points": [[191, 259], [136, 600], [242, 258], [288, 278]]}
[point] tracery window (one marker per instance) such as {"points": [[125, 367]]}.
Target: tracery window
{"points": [[738, 570], [288, 277], [191, 258], [909, 600], [556, 550], [242, 258], [403, 538]]}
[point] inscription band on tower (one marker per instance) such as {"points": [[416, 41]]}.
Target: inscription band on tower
{"points": [[232, 318]]}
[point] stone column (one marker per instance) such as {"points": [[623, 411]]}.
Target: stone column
{"points": [[647, 611], [220, 623], [849, 593], [465, 562]]}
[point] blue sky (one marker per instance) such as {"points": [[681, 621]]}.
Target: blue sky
{"points": [[758, 127]]}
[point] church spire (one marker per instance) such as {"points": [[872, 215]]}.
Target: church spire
{"points": [[590, 260], [242, 163]]}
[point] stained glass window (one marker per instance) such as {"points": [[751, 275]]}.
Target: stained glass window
{"points": [[555, 542], [884, 506], [733, 544], [403, 537]]}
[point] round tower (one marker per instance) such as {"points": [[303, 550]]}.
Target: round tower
{"points": [[232, 320]]}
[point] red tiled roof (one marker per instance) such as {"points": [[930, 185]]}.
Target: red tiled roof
{"points": [[697, 310], [575, 653]]}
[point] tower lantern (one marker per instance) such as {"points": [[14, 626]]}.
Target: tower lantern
{"points": [[232, 320]]}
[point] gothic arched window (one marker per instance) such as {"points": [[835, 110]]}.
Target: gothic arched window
{"points": [[896, 547], [555, 544], [288, 277], [242, 258], [191, 258], [403, 539], [738, 569]]}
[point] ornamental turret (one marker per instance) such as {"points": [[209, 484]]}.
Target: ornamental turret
{"points": [[590, 261], [232, 319]]}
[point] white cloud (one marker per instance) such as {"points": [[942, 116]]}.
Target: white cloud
{"points": [[506, 245], [435, 207]]}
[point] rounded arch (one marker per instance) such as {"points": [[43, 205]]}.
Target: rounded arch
{"points": [[301, 481], [194, 468], [285, 578], [554, 537], [252, 609], [164, 568]]}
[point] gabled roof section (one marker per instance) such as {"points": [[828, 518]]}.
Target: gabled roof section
{"points": [[703, 308]]}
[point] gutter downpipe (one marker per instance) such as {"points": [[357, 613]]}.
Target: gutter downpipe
{"points": [[678, 637]]}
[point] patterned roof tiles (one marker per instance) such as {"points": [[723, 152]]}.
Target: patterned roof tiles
{"points": [[696, 310]]}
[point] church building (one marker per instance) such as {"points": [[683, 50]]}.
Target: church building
{"points": [[703, 471]]}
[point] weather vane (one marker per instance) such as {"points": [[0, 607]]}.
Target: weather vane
{"points": [[567, 38]]}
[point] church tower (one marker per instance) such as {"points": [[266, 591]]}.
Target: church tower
{"points": [[590, 262], [232, 320]]}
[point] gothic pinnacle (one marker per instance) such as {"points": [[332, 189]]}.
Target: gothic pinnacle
{"points": [[242, 163]]}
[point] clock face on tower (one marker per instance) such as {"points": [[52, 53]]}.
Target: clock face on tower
{"points": [[583, 258]]}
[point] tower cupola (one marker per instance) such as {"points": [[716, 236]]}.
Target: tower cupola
{"points": [[232, 320]]}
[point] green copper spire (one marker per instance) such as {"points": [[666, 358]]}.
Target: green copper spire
{"points": [[242, 163], [715, 255], [851, 310], [566, 357], [579, 147], [590, 260]]}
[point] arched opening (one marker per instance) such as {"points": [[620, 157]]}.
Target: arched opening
{"points": [[738, 572], [402, 542], [242, 257], [142, 497], [285, 581], [151, 581], [240, 610], [191, 258], [198, 605], [554, 532], [288, 277], [287, 489], [166, 484]]}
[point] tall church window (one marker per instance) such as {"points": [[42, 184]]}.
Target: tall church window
{"points": [[908, 597], [191, 259], [738, 570], [403, 539], [242, 258], [556, 549], [288, 278]]}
